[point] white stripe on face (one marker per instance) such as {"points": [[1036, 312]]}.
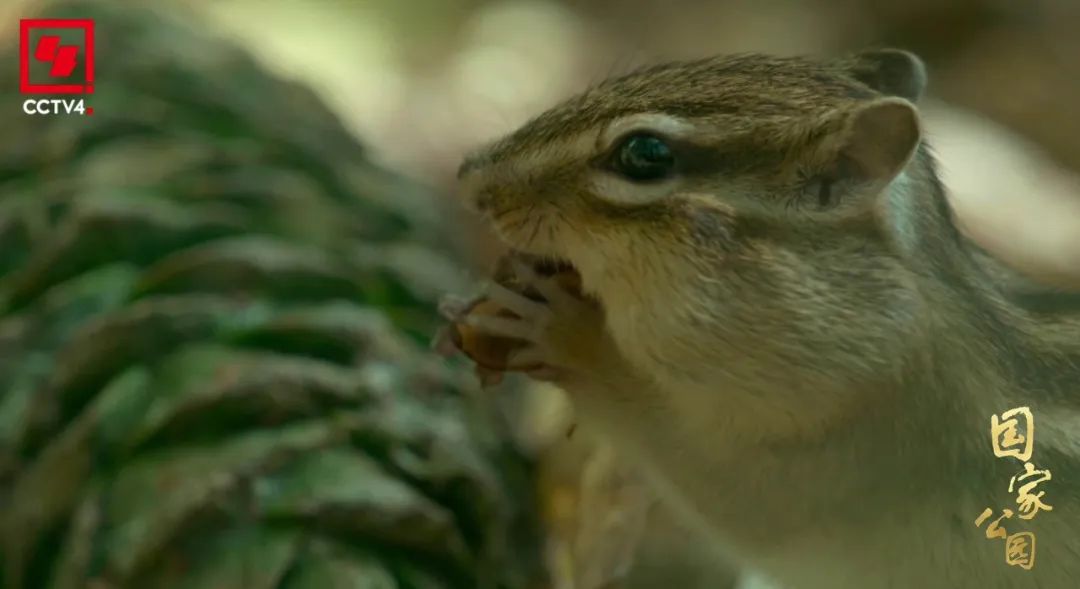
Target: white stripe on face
{"points": [[656, 123]]}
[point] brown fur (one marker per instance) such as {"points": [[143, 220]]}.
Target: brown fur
{"points": [[808, 379]]}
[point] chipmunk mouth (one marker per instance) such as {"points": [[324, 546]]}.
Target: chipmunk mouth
{"points": [[529, 233], [552, 266], [545, 266], [542, 264]]}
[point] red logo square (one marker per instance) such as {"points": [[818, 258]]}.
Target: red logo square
{"points": [[61, 58]]}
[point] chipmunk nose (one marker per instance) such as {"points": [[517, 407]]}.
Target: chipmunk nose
{"points": [[471, 163], [471, 184]]}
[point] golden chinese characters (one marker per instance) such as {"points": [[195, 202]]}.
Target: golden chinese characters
{"points": [[1012, 435], [1030, 503], [1006, 438], [1020, 550]]}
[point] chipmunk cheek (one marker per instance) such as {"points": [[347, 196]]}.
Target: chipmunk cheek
{"points": [[709, 228], [707, 221]]}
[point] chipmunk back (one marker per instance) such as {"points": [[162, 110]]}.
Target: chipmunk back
{"points": [[789, 332]]}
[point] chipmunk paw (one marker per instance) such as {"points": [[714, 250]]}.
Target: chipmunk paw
{"points": [[552, 329]]}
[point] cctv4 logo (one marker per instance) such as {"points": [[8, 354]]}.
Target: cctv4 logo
{"points": [[56, 106], [56, 56]]}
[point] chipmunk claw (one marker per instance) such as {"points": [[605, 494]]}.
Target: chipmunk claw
{"points": [[452, 307], [517, 303]]}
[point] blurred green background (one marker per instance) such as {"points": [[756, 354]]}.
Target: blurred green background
{"points": [[216, 293]]}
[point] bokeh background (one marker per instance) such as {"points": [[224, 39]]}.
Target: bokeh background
{"points": [[216, 294]]}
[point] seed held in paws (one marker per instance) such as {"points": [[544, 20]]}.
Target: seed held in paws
{"points": [[489, 352]]}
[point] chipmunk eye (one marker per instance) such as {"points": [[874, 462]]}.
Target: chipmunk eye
{"points": [[643, 157]]}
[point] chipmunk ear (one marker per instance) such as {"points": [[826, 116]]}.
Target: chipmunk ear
{"points": [[876, 140], [892, 72]]}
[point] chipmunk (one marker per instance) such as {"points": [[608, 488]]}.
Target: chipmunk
{"points": [[783, 325]]}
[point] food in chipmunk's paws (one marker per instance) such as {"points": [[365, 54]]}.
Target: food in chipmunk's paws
{"points": [[491, 352]]}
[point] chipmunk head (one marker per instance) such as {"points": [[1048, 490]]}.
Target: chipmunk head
{"points": [[689, 147], [753, 180]]}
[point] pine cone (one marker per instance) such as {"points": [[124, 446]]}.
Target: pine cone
{"points": [[212, 370]]}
